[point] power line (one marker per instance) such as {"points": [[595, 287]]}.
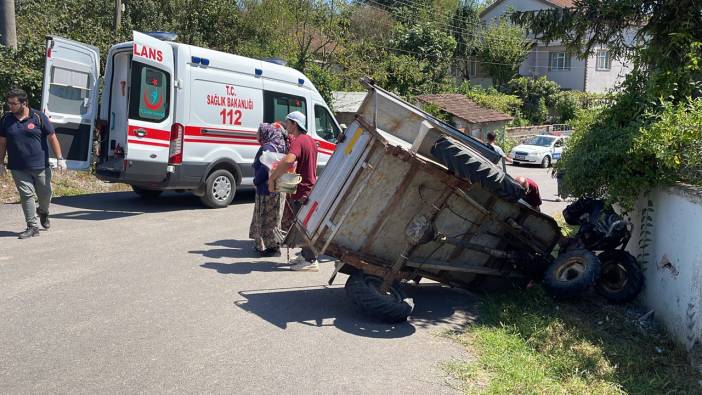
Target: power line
{"points": [[449, 29]]}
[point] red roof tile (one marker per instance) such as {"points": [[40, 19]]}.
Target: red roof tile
{"points": [[462, 107]]}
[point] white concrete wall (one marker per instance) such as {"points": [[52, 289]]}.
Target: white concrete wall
{"points": [[602, 81], [573, 79], [673, 269]]}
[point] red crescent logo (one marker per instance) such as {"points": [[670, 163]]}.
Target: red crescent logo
{"points": [[153, 107]]}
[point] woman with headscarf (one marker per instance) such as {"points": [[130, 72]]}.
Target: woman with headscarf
{"points": [[265, 223]]}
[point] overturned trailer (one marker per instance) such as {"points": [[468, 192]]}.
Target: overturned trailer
{"points": [[406, 196]]}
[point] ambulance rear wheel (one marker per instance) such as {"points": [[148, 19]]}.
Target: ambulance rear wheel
{"points": [[220, 188]]}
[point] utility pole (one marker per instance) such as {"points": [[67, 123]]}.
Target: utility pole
{"points": [[8, 27], [118, 15]]}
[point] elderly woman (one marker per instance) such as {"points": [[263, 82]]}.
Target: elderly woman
{"points": [[267, 210]]}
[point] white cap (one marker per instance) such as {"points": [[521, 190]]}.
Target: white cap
{"points": [[299, 118]]}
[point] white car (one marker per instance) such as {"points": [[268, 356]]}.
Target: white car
{"points": [[540, 150]]}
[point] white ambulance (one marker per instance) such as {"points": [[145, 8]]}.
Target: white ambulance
{"points": [[174, 116]]}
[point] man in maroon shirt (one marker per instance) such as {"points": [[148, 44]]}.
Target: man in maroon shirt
{"points": [[531, 192], [303, 150]]}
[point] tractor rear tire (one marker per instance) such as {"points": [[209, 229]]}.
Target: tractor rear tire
{"points": [[571, 274], [622, 279], [470, 165], [392, 306]]}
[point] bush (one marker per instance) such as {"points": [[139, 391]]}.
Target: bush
{"points": [[537, 95], [607, 158], [493, 99], [566, 106], [674, 143]]}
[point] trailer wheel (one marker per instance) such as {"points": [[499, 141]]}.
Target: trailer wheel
{"points": [[147, 193], [220, 188], [621, 279], [571, 274], [392, 306]]}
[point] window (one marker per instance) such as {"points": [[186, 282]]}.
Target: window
{"points": [[324, 124], [69, 91], [559, 143], [276, 106], [473, 68], [558, 61], [149, 97], [603, 62]]}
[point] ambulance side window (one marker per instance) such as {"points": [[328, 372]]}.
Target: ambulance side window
{"points": [[149, 97], [324, 124], [276, 106]]}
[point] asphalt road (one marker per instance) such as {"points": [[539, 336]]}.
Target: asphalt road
{"points": [[126, 296]]}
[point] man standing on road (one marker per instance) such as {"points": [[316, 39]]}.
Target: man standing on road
{"points": [[25, 134], [531, 192], [303, 150], [491, 143]]}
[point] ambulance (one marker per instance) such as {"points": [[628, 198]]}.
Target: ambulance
{"points": [[173, 116]]}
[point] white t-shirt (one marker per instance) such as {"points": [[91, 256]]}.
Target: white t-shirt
{"points": [[502, 154]]}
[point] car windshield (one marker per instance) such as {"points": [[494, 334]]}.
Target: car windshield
{"points": [[542, 141]]}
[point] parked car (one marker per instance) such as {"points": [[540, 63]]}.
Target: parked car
{"points": [[542, 149]]}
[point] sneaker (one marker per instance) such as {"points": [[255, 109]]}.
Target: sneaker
{"points": [[31, 231], [44, 219], [299, 264]]}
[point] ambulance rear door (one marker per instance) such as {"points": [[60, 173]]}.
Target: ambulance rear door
{"points": [[69, 97], [151, 108]]}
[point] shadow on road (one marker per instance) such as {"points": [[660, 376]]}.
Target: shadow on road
{"points": [[233, 249], [318, 306], [8, 234], [112, 205], [245, 267]]}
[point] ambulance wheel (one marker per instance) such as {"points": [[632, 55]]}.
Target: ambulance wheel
{"points": [[220, 188], [147, 193]]}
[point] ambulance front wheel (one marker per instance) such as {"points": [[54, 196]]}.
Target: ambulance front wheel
{"points": [[220, 188]]}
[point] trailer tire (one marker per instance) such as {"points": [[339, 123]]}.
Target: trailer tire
{"points": [[220, 188], [148, 194], [622, 279], [392, 307], [571, 274], [468, 164]]}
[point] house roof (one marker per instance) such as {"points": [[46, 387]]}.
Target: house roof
{"points": [[462, 107], [347, 101], [553, 3]]}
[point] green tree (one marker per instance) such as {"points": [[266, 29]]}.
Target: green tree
{"points": [[503, 48], [431, 47], [607, 156], [466, 30]]}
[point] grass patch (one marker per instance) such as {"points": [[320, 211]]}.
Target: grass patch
{"points": [[526, 343], [64, 183]]}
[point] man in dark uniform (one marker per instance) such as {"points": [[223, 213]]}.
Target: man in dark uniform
{"points": [[25, 135]]}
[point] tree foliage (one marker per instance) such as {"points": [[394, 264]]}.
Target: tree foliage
{"points": [[618, 153], [502, 49]]}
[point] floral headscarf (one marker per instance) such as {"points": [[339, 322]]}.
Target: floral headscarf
{"points": [[273, 134]]}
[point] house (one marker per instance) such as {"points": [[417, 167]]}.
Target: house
{"points": [[346, 104], [467, 116], [599, 72]]}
